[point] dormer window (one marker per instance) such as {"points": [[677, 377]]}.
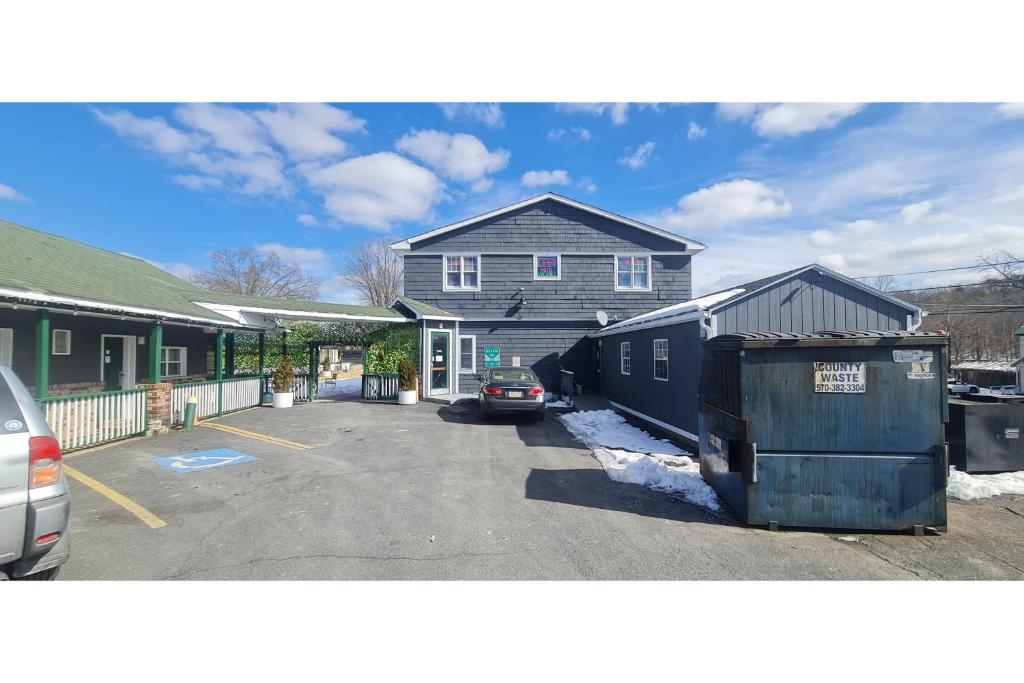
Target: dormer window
{"points": [[461, 272]]}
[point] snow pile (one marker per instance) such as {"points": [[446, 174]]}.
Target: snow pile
{"points": [[632, 456], [352, 386], [551, 403], [963, 486]]}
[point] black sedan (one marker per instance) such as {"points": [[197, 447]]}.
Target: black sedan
{"points": [[511, 390]]}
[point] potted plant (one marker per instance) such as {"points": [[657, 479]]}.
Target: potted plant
{"points": [[406, 382], [284, 380]]}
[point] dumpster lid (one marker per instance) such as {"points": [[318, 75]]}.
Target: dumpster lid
{"points": [[831, 338]]}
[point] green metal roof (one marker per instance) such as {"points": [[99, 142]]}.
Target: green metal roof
{"points": [[424, 309], [43, 263]]}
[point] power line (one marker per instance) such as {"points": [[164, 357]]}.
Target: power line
{"points": [[954, 286], [941, 270]]}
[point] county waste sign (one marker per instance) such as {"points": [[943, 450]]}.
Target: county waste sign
{"points": [[840, 377], [492, 357]]}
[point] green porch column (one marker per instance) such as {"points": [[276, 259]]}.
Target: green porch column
{"points": [[156, 345], [262, 353], [314, 369], [284, 344], [229, 354], [42, 353], [218, 371]]}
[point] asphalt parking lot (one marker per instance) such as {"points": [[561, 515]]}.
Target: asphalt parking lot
{"points": [[351, 490]]}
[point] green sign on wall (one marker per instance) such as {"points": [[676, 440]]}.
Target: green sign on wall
{"points": [[492, 357]]}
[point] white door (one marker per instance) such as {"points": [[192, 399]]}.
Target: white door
{"points": [[6, 346]]}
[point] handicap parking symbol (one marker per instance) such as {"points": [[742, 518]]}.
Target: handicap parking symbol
{"points": [[202, 460]]}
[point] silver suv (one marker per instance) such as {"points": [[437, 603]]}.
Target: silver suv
{"points": [[34, 500]]}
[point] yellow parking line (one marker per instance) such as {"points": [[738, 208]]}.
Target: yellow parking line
{"points": [[238, 431], [131, 506]]}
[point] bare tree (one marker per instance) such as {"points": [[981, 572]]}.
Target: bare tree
{"points": [[374, 271], [256, 273], [1008, 267], [883, 283]]}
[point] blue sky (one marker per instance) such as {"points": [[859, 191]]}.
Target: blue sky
{"points": [[866, 189]]}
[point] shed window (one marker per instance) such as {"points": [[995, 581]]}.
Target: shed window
{"points": [[661, 359], [461, 272], [467, 354], [624, 357], [173, 361], [547, 267], [61, 345], [633, 273]]}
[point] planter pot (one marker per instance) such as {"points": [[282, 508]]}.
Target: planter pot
{"points": [[283, 399], [406, 397]]}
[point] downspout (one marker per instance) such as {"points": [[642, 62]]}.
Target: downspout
{"points": [[705, 325]]}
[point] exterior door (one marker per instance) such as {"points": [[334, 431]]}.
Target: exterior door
{"points": [[113, 363], [439, 361]]}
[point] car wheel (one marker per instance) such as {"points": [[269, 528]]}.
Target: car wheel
{"points": [[45, 575], [484, 415], [539, 417]]}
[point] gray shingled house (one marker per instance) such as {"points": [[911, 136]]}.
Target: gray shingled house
{"points": [[650, 365], [524, 284]]}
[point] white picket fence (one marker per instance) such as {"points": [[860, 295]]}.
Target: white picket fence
{"points": [[215, 397], [82, 420]]}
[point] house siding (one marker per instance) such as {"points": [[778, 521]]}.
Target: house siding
{"points": [[542, 346], [673, 401], [811, 302]]}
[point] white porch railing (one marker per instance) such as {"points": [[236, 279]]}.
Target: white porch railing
{"points": [[215, 397], [81, 420]]}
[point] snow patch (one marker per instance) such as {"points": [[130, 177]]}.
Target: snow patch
{"points": [[963, 486], [632, 456], [353, 386]]}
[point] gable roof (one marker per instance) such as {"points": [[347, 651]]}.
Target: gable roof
{"points": [[695, 308], [689, 246], [424, 310]]}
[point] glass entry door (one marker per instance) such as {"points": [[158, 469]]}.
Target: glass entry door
{"points": [[440, 347]]}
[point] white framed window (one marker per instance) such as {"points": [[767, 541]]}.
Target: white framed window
{"points": [[173, 361], [624, 358], [60, 345], [467, 354], [547, 266], [661, 359], [633, 272], [461, 272]]}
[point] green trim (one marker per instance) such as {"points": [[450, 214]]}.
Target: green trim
{"points": [[262, 354], [156, 342], [42, 353], [94, 394]]}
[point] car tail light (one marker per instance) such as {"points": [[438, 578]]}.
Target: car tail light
{"points": [[44, 462], [493, 391], [48, 538], [536, 391]]}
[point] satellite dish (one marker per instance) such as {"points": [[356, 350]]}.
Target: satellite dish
{"points": [[602, 318]]}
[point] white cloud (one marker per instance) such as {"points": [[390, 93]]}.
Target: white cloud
{"points": [[459, 157], [8, 192], [377, 190], [588, 185], [789, 119], [577, 132], [154, 134], [232, 130], [912, 213], [695, 132], [822, 238], [305, 130], [638, 157], [490, 115], [197, 182], [542, 178], [728, 203], [253, 175], [308, 259], [618, 112], [1011, 110], [307, 219], [482, 185]]}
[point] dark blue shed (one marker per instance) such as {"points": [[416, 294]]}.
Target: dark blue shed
{"points": [[833, 429]]}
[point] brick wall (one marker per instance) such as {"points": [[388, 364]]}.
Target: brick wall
{"points": [[158, 406]]}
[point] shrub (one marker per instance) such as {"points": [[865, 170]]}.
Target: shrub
{"points": [[406, 374], [284, 376]]}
